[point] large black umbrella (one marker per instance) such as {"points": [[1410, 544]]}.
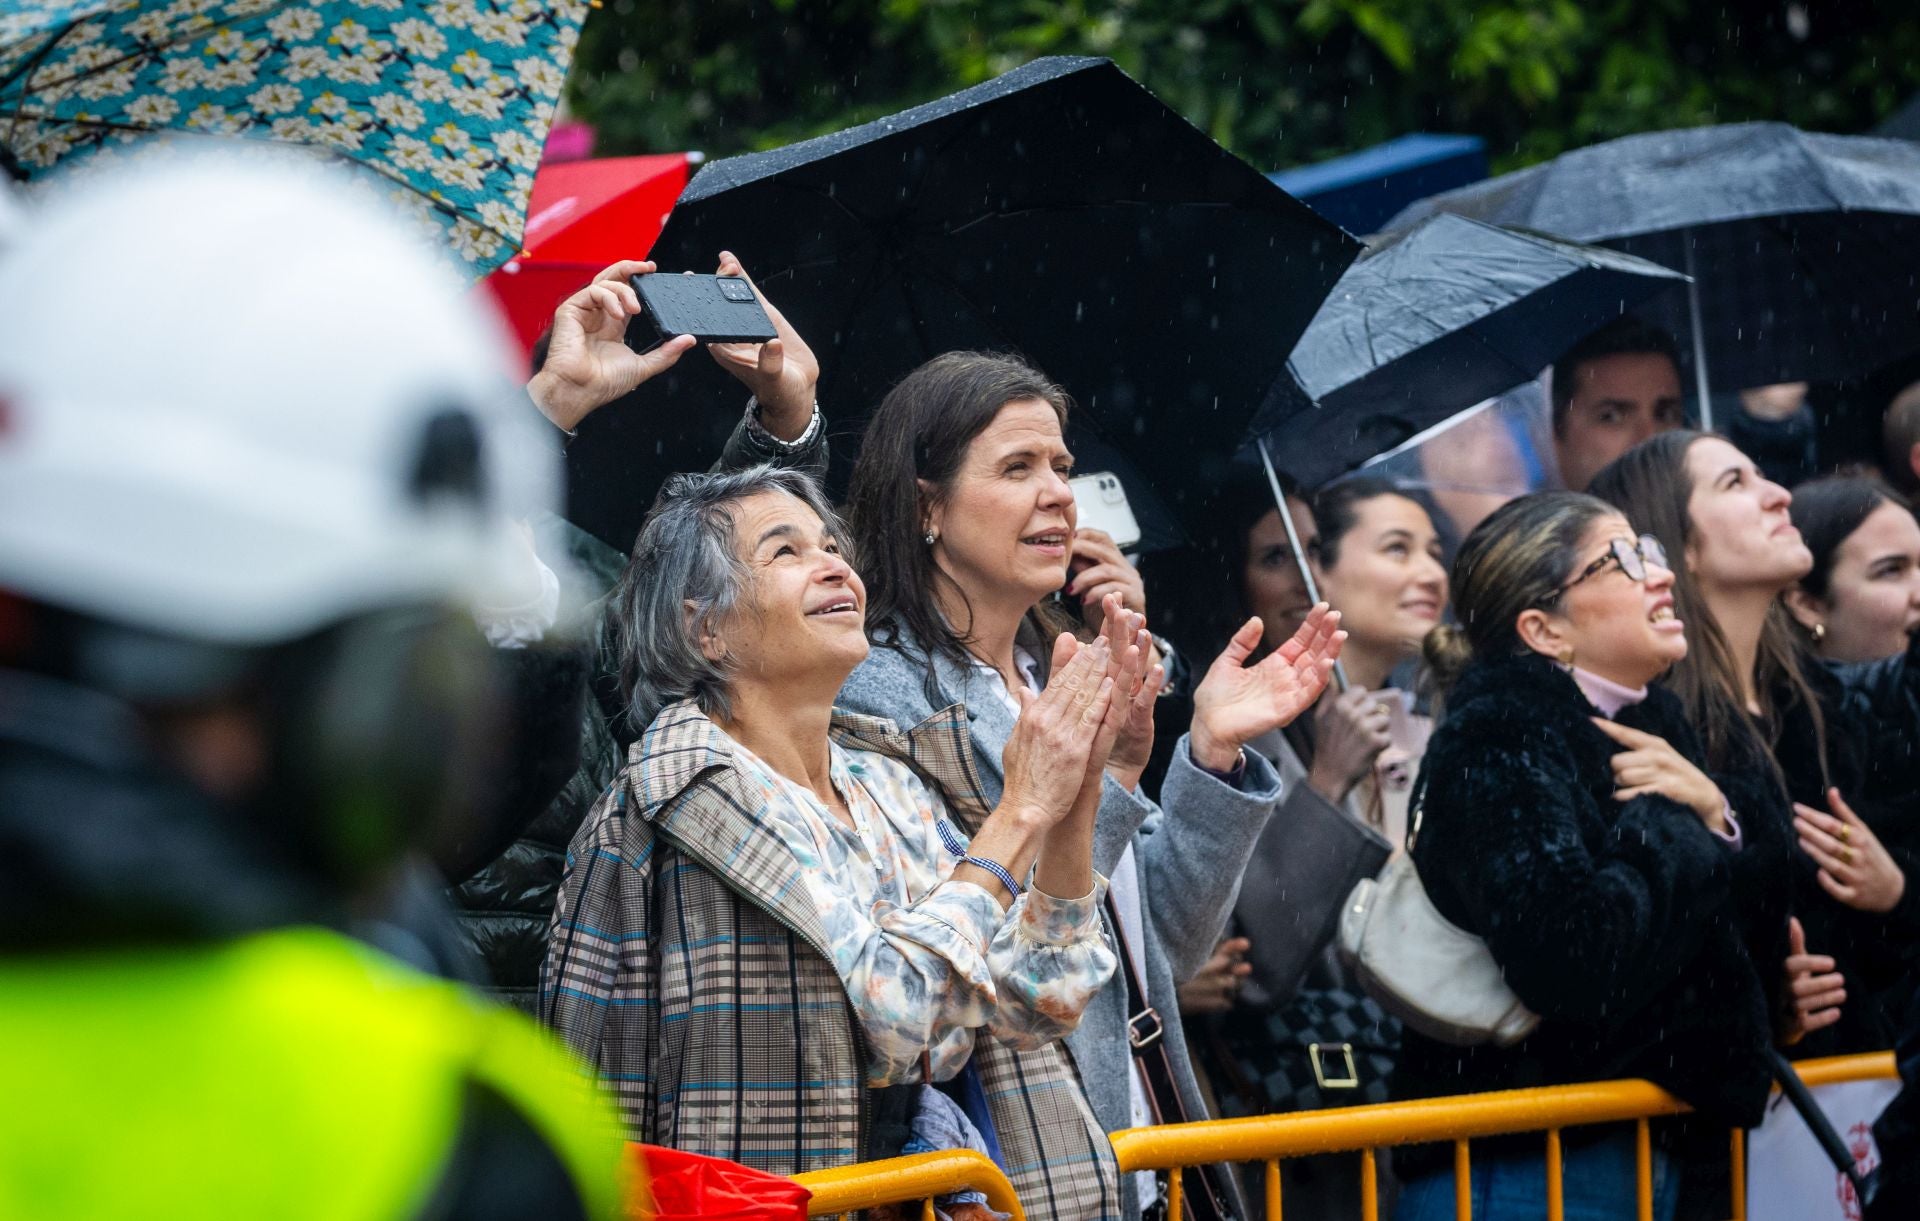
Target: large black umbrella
{"points": [[1804, 248], [1060, 211], [1430, 321]]}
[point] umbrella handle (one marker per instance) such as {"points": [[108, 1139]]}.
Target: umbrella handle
{"points": [[1699, 341], [1293, 540]]}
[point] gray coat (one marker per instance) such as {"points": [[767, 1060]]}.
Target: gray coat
{"points": [[1190, 856]]}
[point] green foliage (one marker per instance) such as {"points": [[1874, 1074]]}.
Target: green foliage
{"points": [[1282, 82]]}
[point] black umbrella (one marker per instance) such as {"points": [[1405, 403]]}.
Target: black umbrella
{"points": [[1060, 211], [1802, 246], [1430, 321]]}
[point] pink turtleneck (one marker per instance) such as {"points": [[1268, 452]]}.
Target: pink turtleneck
{"points": [[1609, 697]]}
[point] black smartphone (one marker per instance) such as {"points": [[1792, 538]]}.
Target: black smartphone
{"points": [[712, 309]]}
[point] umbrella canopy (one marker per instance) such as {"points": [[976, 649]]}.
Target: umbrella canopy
{"points": [[1432, 320], [448, 102], [1060, 211], [582, 216], [1802, 245]]}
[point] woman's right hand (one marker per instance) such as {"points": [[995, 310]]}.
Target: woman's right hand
{"points": [[1650, 764], [1350, 729], [1047, 755]]}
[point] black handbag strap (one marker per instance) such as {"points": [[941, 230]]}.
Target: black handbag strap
{"points": [[1146, 1038], [1801, 1097]]}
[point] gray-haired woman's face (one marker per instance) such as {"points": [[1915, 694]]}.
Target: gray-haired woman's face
{"points": [[802, 613]]}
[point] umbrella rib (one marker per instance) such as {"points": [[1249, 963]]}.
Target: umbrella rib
{"points": [[27, 69]]}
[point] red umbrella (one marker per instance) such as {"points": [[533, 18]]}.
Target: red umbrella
{"points": [[582, 216]]}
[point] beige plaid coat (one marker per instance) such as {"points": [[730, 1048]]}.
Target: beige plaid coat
{"points": [[686, 966]]}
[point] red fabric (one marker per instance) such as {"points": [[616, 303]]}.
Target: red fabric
{"points": [[685, 1186], [583, 215]]}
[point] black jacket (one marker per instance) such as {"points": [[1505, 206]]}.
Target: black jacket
{"points": [[506, 889], [1617, 923], [1872, 717]]}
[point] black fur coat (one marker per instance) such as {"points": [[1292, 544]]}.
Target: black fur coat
{"points": [[1649, 947]]}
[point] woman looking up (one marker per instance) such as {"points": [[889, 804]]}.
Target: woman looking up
{"points": [[965, 523], [781, 921], [1793, 742], [1567, 820]]}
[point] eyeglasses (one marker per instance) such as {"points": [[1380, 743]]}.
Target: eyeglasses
{"points": [[1633, 558]]}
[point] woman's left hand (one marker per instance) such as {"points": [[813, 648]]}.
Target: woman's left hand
{"points": [[1650, 764], [1236, 703], [1122, 629], [1096, 569], [1855, 867]]}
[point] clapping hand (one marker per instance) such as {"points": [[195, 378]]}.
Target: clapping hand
{"points": [[1123, 630], [1236, 703], [1855, 867], [1048, 755], [588, 361]]}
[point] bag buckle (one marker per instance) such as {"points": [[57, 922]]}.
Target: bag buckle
{"points": [[1318, 1055], [1144, 1028]]}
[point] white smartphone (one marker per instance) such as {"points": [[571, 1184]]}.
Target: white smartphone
{"points": [[1101, 504]]}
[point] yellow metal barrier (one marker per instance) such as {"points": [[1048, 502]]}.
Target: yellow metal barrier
{"points": [[900, 1180], [1275, 1138]]}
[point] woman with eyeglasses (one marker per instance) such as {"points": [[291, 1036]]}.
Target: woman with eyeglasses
{"points": [[1564, 816], [1825, 751]]}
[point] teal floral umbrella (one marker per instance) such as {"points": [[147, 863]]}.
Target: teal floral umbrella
{"points": [[446, 102]]}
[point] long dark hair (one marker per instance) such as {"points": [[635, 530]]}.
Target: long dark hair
{"points": [[1519, 558], [921, 431], [1650, 483]]}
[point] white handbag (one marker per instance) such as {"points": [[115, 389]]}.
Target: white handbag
{"points": [[1434, 976]]}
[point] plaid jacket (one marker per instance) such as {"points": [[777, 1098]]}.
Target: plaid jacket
{"points": [[686, 966]]}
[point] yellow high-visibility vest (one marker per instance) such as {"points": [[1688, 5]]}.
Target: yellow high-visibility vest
{"points": [[292, 1074]]}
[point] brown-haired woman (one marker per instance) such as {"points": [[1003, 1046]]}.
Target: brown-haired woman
{"points": [[965, 527], [1566, 819], [1778, 727]]}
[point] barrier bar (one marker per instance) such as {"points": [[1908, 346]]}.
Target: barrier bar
{"points": [[1556, 1187], [1462, 1182], [846, 1189], [1643, 1168]]}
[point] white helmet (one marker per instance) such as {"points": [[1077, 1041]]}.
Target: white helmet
{"points": [[223, 382]]}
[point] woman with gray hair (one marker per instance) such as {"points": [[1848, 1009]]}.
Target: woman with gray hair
{"points": [[779, 912]]}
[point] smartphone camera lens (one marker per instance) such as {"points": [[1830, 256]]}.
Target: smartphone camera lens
{"points": [[734, 288]]}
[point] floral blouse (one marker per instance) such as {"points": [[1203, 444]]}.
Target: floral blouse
{"points": [[926, 960]]}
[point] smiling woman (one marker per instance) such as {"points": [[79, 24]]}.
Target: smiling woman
{"points": [[961, 508], [773, 895]]}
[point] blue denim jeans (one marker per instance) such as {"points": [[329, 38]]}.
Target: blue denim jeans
{"points": [[1597, 1184]]}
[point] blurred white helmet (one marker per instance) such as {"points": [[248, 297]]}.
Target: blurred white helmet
{"points": [[239, 401]]}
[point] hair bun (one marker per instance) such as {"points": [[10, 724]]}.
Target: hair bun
{"points": [[1446, 652]]}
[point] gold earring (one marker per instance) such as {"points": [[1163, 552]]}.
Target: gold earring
{"points": [[1566, 657]]}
